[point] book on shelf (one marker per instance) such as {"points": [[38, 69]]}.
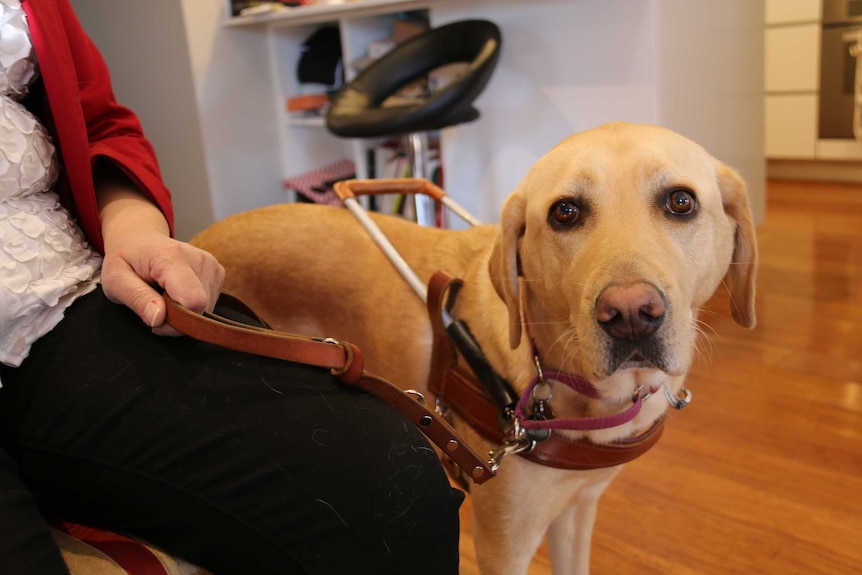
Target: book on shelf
{"points": [[388, 160]]}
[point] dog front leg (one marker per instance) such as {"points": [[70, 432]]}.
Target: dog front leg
{"points": [[501, 549], [509, 519], [570, 535]]}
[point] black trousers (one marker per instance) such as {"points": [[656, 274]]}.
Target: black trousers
{"points": [[237, 463]]}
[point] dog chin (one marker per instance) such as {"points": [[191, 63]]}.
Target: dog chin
{"points": [[636, 363]]}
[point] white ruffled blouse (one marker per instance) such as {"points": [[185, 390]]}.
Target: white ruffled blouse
{"points": [[45, 262]]}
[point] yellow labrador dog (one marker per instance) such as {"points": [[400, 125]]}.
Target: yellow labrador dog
{"points": [[603, 256]]}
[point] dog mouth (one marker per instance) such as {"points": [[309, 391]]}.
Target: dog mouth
{"points": [[648, 354]]}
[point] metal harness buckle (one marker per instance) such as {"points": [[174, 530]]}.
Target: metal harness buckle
{"points": [[517, 441]]}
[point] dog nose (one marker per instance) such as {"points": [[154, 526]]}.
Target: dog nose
{"points": [[631, 311]]}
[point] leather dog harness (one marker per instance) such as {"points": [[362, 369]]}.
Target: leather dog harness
{"points": [[457, 387], [453, 384]]}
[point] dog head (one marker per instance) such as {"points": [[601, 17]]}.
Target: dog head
{"points": [[612, 243]]}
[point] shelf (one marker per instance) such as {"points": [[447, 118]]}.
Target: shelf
{"points": [[317, 13], [311, 122]]}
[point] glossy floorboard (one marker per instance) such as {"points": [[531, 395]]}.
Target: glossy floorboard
{"points": [[763, 472]]}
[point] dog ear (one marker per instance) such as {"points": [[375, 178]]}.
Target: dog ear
{"points": [[504, 264], [741, 273]]}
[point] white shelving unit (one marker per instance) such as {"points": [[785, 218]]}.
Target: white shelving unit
{"points": [[325, 12], [305, 143]]}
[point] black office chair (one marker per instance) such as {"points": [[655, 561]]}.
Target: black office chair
{"points": [[356, 110]]}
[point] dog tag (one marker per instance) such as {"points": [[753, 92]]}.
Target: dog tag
{"points": [[541, 412], [538, 435]]}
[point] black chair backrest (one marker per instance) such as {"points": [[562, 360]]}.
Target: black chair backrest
{"points": [[356, 111]]}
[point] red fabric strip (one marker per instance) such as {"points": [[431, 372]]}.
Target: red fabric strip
{"points": [[131, 555]]}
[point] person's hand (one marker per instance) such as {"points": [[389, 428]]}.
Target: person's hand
{"points": [[136, 262], [140, 255]]}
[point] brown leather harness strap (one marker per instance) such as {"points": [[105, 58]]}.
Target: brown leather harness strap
{"points": [[557, 451], [345, 362], [457, 387], [342, 358]]}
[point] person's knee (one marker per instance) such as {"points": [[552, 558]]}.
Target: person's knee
{"points": [[420, 510]]}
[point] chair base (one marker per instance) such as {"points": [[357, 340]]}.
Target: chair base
{"points": [[416, 145]]}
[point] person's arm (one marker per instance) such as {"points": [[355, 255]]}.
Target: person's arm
{"points": [[140, 254], [122, 204], [86, 121]]}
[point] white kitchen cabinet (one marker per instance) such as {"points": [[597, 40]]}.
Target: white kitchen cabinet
{"points": [[841, 150], [792, 84], [792, 58], [790, 11], [792, 126], [791, 78]]}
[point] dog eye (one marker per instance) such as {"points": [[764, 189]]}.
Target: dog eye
{"points": [[681, 202], [564, 213]]}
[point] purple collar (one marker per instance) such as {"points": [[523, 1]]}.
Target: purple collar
{"points": [[585, 388]]}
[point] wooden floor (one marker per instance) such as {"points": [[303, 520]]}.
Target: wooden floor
{"points": [[762, 473]]}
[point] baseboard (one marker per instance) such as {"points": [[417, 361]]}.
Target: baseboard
{"points": [[814, 171]]}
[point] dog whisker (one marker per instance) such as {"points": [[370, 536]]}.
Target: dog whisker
{"points": [[548, 323], [704, 337], [569, 343]]}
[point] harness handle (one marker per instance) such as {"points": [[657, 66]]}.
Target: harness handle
{"points": [[352, 188], [348, 190]]}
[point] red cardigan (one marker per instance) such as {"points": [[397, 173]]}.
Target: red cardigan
{"points": [[84, 118]]}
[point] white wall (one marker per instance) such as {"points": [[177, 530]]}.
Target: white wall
{"points": [[694, 66], [564, 67], [710, 82], [237, 107], [144, 45]]}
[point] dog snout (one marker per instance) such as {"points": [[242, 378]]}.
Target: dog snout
{"points": [[631, 312]]}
